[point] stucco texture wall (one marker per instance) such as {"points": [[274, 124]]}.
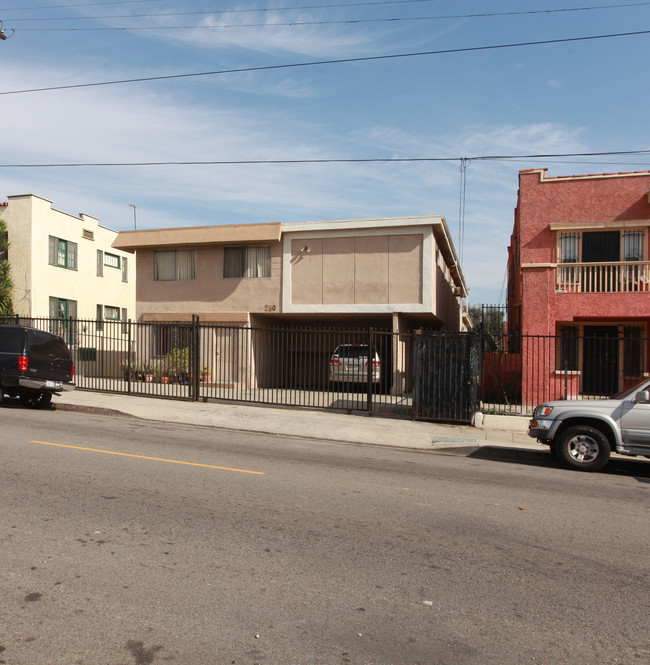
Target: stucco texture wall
{"points": [[210, 292], [368, 270], [609, 200]]}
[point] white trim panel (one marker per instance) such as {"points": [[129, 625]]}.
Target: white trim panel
{"points": [[343, 231]]}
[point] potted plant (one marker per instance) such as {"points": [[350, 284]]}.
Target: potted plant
{"points": [[148, 372], [177, 363], [206, 374]]}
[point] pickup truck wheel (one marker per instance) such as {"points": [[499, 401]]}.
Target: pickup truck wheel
{"points": [[36, 400], [583, 448]]}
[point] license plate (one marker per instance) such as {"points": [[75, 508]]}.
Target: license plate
{"points": [[55, 385]]}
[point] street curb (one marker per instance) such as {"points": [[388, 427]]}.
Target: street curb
{"points": [[460, 451], [96, 410]]}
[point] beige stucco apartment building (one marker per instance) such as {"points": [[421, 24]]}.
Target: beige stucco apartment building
{"points": [[396, 274]]}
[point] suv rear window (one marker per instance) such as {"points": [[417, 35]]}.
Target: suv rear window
{"points": [[43, 344], [11, 339], [356, 351]]}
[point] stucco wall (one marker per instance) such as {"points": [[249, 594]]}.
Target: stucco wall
{"points": [[581, 200], [30, 222], [369, 270], [210, 292]]}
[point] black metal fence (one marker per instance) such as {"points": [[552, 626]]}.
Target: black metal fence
{"points": [[589, 362], [201, 361], [423, 375]]}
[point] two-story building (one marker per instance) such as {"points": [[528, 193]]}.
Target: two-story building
{"points": [[579, 272], [392, 274]]}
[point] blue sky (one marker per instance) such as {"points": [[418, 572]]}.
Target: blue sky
{"points": [[574, 97]]}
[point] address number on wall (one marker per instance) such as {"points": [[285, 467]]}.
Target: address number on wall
{"points": [[269, 308]]}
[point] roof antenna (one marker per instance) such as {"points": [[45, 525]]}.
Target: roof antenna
{"points": [[3, 34]]}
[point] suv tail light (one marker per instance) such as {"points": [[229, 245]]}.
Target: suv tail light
{"points": [[335, 362], [23, 363], [72, 373]]}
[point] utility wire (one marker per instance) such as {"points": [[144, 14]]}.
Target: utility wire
{"points": [[462, 160], [234, 11], [301, 23], [85, 4], [326, 62]]}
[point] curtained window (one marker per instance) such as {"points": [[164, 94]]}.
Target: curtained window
{"points": [[247, 262], [174, 265]]}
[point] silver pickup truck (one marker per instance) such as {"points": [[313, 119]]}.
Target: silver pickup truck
{"points": [[583, 433]]}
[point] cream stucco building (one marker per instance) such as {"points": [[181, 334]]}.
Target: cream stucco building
{"points": [[65, 266]]}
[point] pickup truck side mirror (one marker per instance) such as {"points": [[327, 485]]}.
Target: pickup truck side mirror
{"points": [[642, 396]]}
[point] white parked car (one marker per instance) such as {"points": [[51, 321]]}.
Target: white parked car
{"points": [[353, 363]]}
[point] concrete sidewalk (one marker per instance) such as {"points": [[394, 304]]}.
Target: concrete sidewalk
{"points": [[498, 432]]}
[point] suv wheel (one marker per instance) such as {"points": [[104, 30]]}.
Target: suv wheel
{"points": [[583, 448], [36, 400]]}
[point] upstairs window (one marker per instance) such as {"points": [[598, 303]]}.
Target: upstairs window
{"points": [[174, 265], [569, 248], [602, 246], [62, 253], [111, 260], [246, 262], [634, 245]]}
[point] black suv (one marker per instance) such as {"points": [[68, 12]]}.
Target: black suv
{"points": [[34, 365]]}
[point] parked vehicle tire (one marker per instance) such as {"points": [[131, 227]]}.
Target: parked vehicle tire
{"points": [[583, 448], [36, 400]]}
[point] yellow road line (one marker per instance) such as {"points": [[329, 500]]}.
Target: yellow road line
{"points": [[155, 459]]}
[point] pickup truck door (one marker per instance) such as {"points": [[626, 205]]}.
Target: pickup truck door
{"points": [[635, 423]]}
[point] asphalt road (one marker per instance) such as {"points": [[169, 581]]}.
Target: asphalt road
{"points": [[128, 542]]}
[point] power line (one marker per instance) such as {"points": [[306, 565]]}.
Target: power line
{"points": [[85, 4], [233, 11], [297, 23], [326, 62], [461, 160]]}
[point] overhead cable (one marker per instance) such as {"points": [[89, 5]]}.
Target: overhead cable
{"points": [[295, 23], [462, 160], [371, 58]]}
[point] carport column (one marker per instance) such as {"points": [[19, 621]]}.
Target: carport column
{"points": [[398, 383]]}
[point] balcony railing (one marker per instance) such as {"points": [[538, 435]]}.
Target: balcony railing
{"points": [[619, 277]]}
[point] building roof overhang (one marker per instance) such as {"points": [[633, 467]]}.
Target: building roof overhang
{"points": [[131, 241]]}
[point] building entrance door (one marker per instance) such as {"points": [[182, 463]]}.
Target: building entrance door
{"points": [[600, 360]]}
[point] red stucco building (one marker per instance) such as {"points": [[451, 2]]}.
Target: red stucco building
{"points": [[579, 278]]}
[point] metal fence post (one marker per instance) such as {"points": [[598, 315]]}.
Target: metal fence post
{"points": [[128, 356], [371, 356], [194, 359]]}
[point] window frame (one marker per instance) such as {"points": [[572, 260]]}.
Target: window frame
{"points": [[176, 268], [246, 264], [116, 263], [60, 247], [111, 313], [640, 232]]}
